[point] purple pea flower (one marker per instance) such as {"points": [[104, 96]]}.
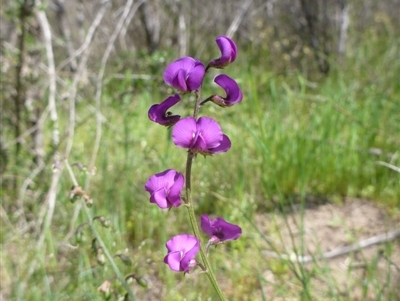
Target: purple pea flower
{"points": [[232, 90], [203, 136], [219, 230], [182, 249], [228, 53], [159, 112], [185, 74], [165, 188]]}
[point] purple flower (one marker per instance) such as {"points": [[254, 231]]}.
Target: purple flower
{"points": [[165, 188], [228, 52], [185, 74], [232, 90], [182, 249], [159, 112], [204, 136], [219, 230]]}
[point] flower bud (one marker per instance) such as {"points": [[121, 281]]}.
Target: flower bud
{"points": [[100, 256], [142, 282], [78, 237], [192, 265], [125, 259]]}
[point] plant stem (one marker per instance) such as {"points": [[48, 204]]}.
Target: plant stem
{"points": [[101, 242], [192, 216]]}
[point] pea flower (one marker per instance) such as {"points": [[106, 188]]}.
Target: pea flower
{"points": [[185, 74], [219, 230], [182, 249], [165, 188], [228, 53], [159, 113], [203, 136], [232, 90]]}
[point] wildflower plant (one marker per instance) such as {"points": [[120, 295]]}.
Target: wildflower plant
{"points": [[199, 135]]}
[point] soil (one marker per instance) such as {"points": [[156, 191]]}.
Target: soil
{"points": [[371, 273]]}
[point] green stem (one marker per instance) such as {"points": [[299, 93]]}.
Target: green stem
{"points": [[192, 217], [107, 253]]}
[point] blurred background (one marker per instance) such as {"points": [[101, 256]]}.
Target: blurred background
{"points": [[318, 127]]}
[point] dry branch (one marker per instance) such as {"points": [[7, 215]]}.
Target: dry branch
{"points": [[238, 19], [362, 244]]}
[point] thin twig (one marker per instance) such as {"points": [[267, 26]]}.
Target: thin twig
{"points": [[51, 72], [100, 76], [99, 116], [391, 166], [51, 196], [73, 93], [362, 244], [238, 18]]}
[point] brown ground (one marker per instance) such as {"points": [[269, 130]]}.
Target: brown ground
{"points": [[370, 274]]}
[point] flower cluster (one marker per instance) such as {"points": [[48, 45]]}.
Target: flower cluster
{"points": [[199, 135]]}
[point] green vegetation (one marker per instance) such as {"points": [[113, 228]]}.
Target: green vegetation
{"points": [[293, 136]]}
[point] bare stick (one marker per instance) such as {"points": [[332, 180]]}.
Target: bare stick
{"points": [[395, 168], [128, 21], [99, 116], [362, 244], [73, 92], [239, 17], [51, 72], [65, 32], [99, 85], [51, 196], [77, 77]]}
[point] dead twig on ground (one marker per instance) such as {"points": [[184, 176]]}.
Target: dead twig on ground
{"points": [[362, 244]]}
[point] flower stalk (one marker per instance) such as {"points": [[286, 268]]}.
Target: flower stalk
{"points": [[192, 216], [199, 135]]}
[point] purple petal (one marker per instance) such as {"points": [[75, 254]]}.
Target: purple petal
{"points": [[160, 180], [210, 131], [179, 81], [158, 112], [154, 183], [173, 259], [227, 230], [228, 52], [205, 224], [165, 188], [195, 77], [182, 243], [219, 230], [232, 90], [228, 49], [159, 197], [223, 147], [184, 63], [184, 132], [189, 255], [174, 196], [200, 145]]}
